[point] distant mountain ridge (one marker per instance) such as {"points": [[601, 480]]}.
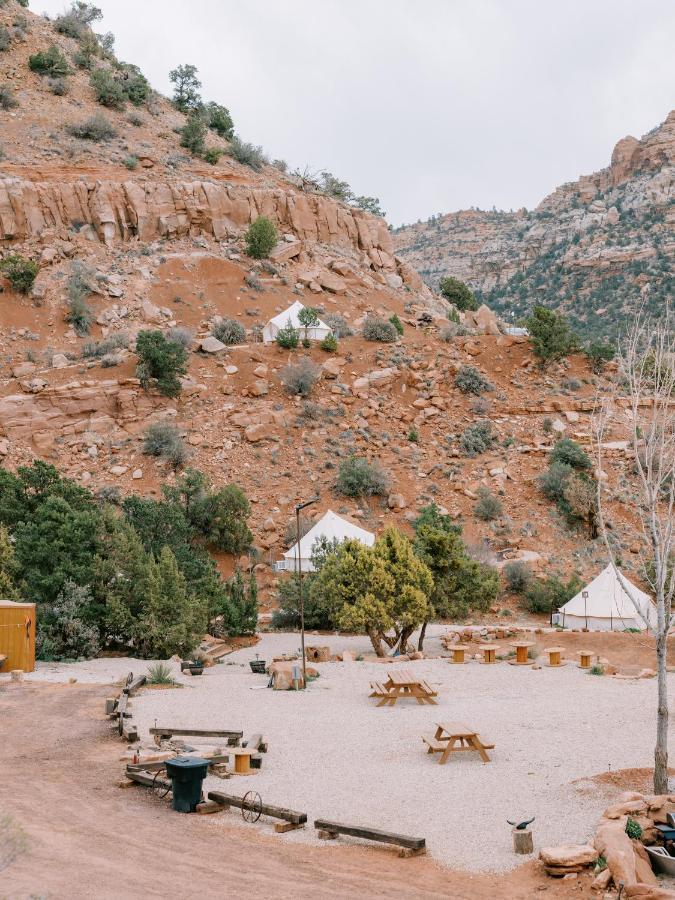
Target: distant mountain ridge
{"points": [[597, 247]]}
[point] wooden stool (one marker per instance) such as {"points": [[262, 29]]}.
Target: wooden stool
{"points": [[584, 659], [522, 648], [489, 652], [522, 841], [554, 656], [458, 654]]}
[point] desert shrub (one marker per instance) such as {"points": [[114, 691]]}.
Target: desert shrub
{"points": [[164, 440], [229, 331], [77, 21], [301, 377], [518, 576], [236, 610], [247, 154], [63, 631], [448, 332], [396, 322], [316, 612], [550, 594], [599, 353], [212, 155], [570, 453], [261, 238], [413, 435], [288, 337], [94, 350], [7, 98], [96, 128], [633, 829], [551, 335], [359, 478], [180, 335], [186, 96], [5, 38], [160, 673], [108, 91], [135, 85], [488, 506], [58, 86], [218, 119], [20, 271], [130, 162], [470, 381], [161, 361], [552, 482], [376, 329], [49, 62], [477, 438], [135, 120], [79, 315], [457, 293], [193, 135], [329, 344], [338, 325]]}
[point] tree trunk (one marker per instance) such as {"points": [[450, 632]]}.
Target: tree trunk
{"points": [[376, 641], [661, 749], [420, 642], [403, 640]]}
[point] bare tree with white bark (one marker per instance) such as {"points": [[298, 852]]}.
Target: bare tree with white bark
{"points": [[644, 396]]}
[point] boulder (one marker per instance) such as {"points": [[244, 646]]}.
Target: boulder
{"points": [[151, 313], [60, 361], [260, 432], [211, 344], [259, 388], [569, 855], [396, 501], [612, 842]]}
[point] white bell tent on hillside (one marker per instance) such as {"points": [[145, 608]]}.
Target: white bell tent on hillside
{"points": [[330, 526], [606, 606], [274, 326]]}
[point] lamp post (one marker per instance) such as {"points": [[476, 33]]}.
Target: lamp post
{"points": [[298, 508], [584, 594]]}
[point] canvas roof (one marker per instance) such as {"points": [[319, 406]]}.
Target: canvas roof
{"points": [[607, 599], [281, 320], [330, 526]]}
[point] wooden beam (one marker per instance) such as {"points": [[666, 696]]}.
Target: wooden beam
{"points": [[129, 732], [134, 685], [276, 812], [370, 834], [232, 736], [148, 780], [213, 760]]}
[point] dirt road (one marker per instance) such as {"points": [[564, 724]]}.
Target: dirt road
{"points": [[87, 838]]}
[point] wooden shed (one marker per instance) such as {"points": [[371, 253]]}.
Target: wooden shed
{"points": [[17, 636]]}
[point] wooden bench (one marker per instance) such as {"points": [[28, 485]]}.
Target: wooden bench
{"points": [[429, 689], [435, 746], [410, 846], [290, 817]]}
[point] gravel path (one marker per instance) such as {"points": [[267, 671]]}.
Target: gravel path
{"points": [[334, 754]]}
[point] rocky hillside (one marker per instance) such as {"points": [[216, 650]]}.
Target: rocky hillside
{"points": [[597, 247], [160, 245]]}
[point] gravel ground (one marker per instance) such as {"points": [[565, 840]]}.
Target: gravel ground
{"points": [[335, 755]]}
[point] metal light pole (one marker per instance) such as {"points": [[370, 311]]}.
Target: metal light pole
{"points": [[584, 594], [299, 507]]}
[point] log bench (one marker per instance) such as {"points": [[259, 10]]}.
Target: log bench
{"points": [[290, 818], [409, 846]]}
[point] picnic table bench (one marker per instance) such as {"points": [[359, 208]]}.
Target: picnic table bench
{"points": [[403, 683], [410, 846], [455, 737]]}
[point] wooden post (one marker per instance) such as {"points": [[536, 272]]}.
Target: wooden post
{"points": [[522, 841]]}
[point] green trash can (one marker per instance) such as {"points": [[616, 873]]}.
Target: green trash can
{"points": [[187, 774]]}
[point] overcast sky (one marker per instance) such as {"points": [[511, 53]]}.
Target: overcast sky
{"points": [[430, 105]]}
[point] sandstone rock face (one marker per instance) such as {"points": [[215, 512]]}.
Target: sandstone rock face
{"points": [[118, 211], [72, 409], [569, 855]]}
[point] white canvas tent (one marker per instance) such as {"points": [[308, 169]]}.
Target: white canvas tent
{"points": [[607, 606], [330, 526], [274, 326]]}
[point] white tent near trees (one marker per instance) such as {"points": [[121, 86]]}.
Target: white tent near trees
{"points": [[271, 330], [607, 606], [331, 527]]}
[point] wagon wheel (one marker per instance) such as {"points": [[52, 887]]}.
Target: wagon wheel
{"points": [[160, 789], [251, 806]]}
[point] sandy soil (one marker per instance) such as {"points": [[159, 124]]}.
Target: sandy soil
{"points": [[86, 838]]}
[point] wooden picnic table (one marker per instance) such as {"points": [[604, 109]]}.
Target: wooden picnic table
{"points": [[403, 683], [521, 652], [489, 652], [456, 737]]}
